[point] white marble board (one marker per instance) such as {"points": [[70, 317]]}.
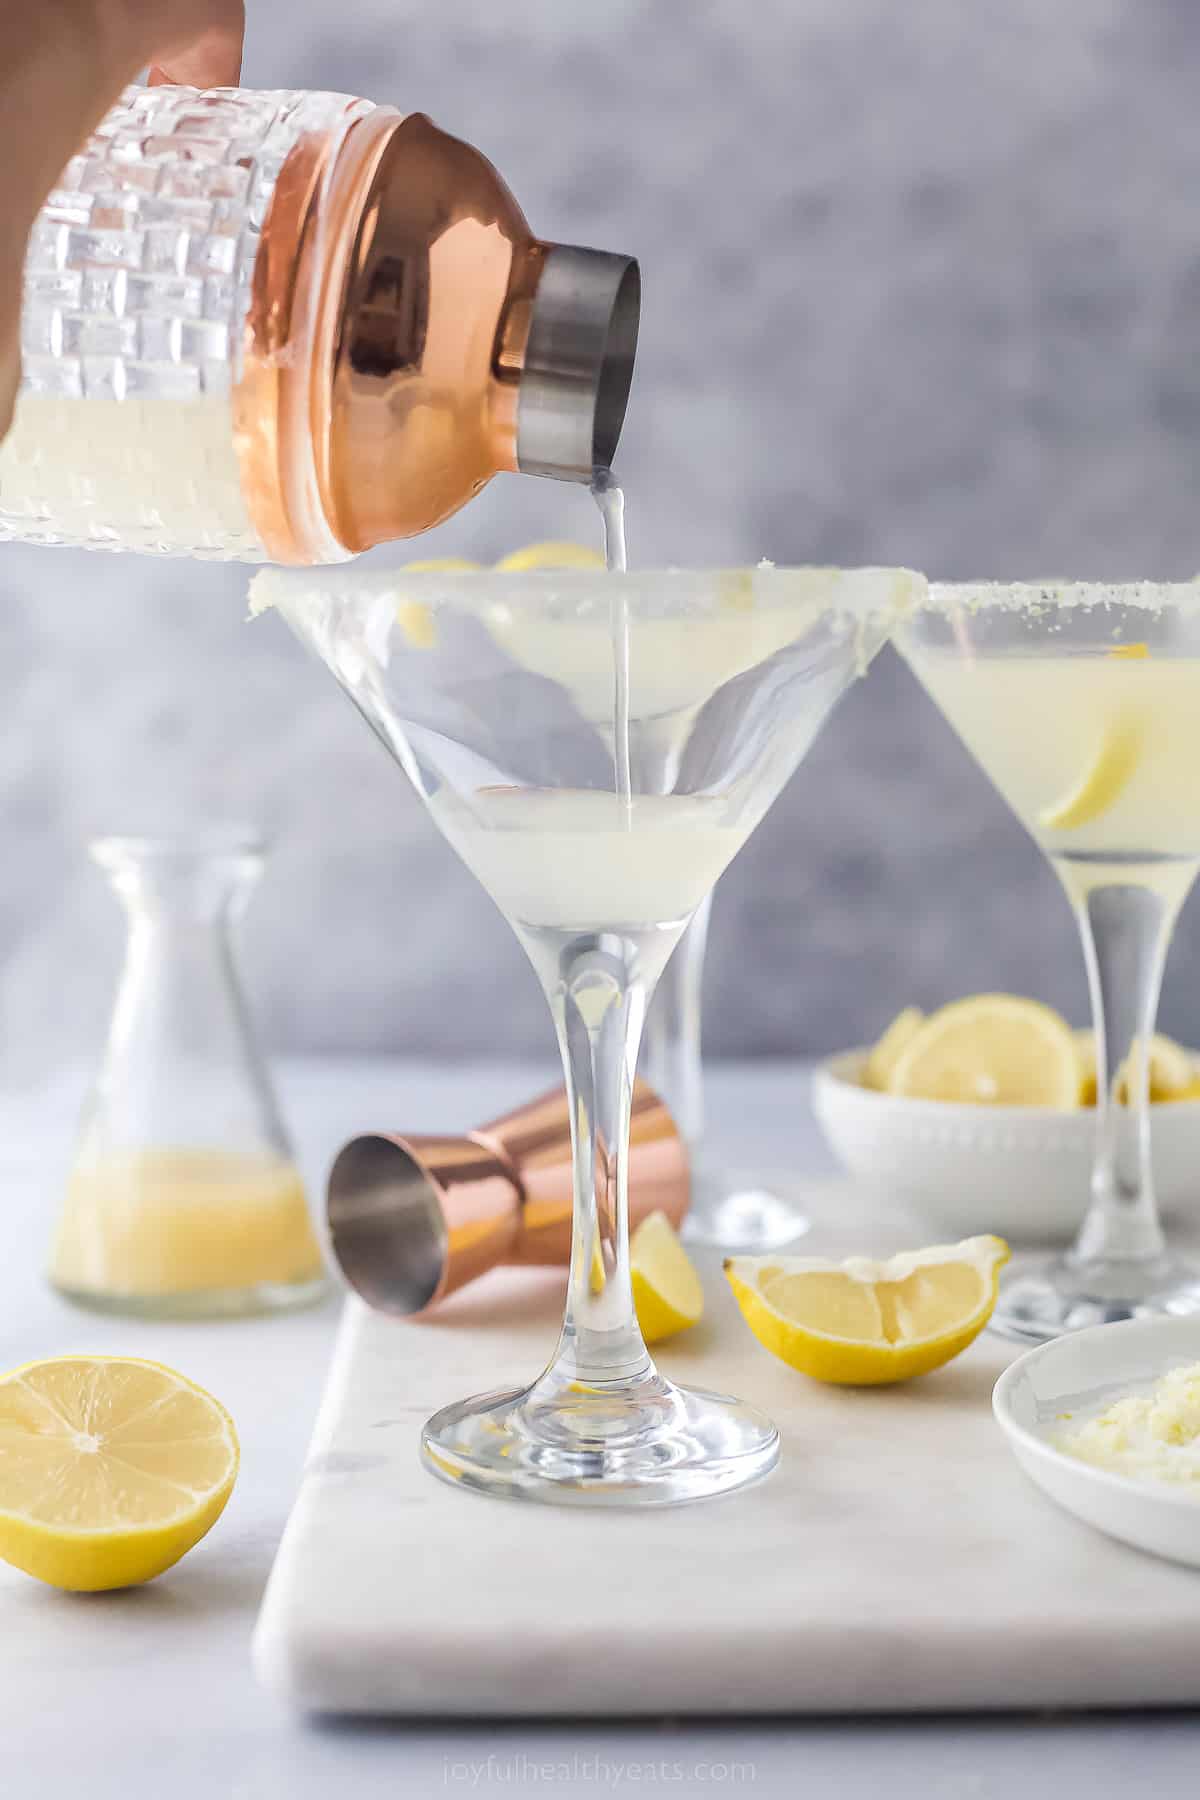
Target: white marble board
{"points": [[897, 1560]]}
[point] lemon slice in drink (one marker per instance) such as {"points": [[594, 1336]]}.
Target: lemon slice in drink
{"points": [[415, 617], [865, 1323], [1103, 782], [992, 1049], [667, 1294], [553, 554], [111, 1469], [883, 1057]]}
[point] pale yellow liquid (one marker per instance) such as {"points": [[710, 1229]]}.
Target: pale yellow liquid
{"points": [[585, 861], [1039, 725], [152, 1222], [134, 474]]}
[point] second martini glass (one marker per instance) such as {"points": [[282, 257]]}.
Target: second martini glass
{"points": [[732, 1209], [596, 747], [1082, 702]]}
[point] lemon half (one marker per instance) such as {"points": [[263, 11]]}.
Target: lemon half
{"points": [[864, 1323], [111, 1469]]}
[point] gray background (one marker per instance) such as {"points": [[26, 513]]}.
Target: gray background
{"points": [[922, 285]]}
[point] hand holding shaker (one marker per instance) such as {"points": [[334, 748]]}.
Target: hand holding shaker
{"points": [[291, 325]]}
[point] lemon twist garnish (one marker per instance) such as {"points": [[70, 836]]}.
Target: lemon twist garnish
{"points": [[1104, 782]]}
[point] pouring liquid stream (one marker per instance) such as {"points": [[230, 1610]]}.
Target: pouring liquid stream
{"points": [[611, 502]]}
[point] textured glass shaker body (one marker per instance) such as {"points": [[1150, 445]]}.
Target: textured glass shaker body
{"points": [[291, 325], [184, 1198]]}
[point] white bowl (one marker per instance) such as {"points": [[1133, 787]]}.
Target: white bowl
{"points": [[1082, 1373], [1021, 1171]]}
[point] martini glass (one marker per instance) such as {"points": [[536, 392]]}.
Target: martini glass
{"points": [[1081, 701], [596, 747], [731, 1208]]}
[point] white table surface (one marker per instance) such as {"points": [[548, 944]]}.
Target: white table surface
{"points": [[149, 1693]]}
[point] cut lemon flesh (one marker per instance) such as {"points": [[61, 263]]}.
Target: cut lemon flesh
{"points": [[553, 554], [865, 1323], [667, 1294], [111, 1469], [883, 1057], [992, 1049], [1103, 782]]}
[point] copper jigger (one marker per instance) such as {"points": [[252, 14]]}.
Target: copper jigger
{"points": [[413, 1218]]}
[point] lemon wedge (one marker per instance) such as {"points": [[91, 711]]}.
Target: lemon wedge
{"points": [[992, 1049], [111, 1469], [864, 1323], [553, 554], [882, 1059], [667, 1294], [1103, 783]]}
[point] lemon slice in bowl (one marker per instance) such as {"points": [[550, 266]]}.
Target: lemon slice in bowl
{"points": [[555, 553], [667, 1294], [883, 1057], [992, 1049], [1102, 783], [864, 1323], [1173, 1071], [111, 1469]]}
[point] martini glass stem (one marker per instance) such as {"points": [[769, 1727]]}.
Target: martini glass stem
{"points": [[1125, 930], [599, 1006]]}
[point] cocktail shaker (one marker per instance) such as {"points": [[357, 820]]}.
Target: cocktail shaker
{"points": [[292, 325], [411, 1219]]}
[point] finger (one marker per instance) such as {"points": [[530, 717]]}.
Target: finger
{"points": [[211, 58]]}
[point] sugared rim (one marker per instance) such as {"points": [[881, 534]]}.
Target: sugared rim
{"points": [[865, 591], [1033, 596]]}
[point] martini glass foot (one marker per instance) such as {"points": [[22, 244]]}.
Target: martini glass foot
{"points": [[737, 1211], [1044, 1296], [647, 1443]]}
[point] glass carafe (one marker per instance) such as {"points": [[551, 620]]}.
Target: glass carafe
{"points": [[184, 1198]]}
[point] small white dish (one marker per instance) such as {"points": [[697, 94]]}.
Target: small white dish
{"points": [[1021, 1171], [1081, 1374]]}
